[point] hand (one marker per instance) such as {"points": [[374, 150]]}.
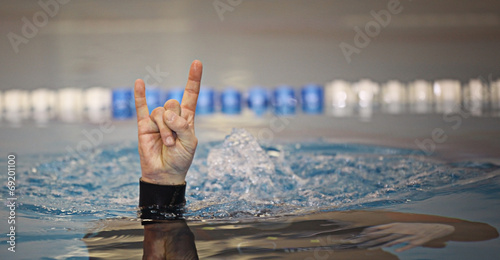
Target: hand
{"points": [[414, 234], [167, 141]]}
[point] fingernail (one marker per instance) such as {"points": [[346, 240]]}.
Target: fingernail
{"points": [[170, 115], [170, 140]]}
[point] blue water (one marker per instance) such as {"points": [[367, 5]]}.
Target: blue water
{"points": [[240, 178]]}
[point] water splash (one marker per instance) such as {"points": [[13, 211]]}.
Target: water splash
{"points": [[242, 164], [240, 178], [245, 179]]}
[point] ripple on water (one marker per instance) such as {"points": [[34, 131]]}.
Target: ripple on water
{"points": [[238, 177]]}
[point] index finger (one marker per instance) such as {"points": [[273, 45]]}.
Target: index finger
{"points": [[140, 100], [190, 97]]}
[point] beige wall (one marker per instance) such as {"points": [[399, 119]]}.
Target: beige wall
{"points": [[111, 43]]}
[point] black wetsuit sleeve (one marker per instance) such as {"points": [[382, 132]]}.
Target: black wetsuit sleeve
{"points": [[161, 202]]}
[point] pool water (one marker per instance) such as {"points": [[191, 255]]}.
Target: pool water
{"points": [[259, 192]]}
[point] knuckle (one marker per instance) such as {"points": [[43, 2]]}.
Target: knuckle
{"points": [[183, 125]]}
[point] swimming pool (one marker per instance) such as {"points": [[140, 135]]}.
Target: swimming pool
{"points": [[284, 180]]}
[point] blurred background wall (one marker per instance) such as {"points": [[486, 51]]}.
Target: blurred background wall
{"points": [[55, 44]]}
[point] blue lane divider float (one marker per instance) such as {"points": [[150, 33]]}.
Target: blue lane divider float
{"points": [[230, 101], [175, 93], [123, 103], [258, 100], [284, 101], [337, 98], [206, 101], [312, 99]]}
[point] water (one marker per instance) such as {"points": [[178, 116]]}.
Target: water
{"points": [[231, 180], [240, 178]]}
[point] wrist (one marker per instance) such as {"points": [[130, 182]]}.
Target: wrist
{"points": [[164, 179], [161, 202]]}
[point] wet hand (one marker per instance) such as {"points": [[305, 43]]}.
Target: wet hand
{"points": [[167, 141]]}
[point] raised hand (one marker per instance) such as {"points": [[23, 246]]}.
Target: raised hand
{"points": [[167, 141]]}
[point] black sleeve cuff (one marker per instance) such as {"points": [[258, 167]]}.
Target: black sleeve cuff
{"points": [[161, 202]]}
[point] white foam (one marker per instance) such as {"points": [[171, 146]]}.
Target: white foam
{"points": [[242, 160]]}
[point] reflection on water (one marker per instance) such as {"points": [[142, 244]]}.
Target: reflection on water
{"points": [[330, 235]]}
